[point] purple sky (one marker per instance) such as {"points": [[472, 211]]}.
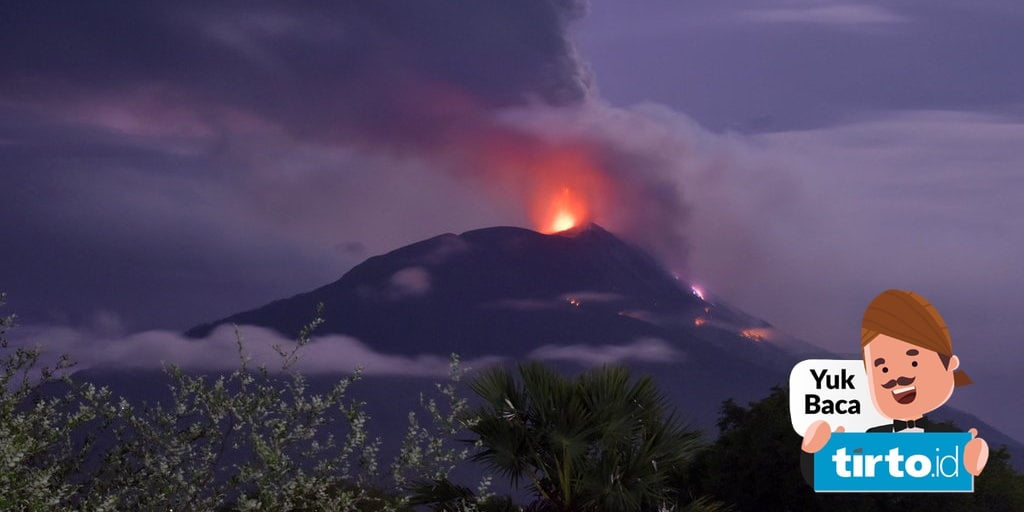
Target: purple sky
{"points": [[168, 163]]}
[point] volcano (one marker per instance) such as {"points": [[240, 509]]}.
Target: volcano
{"points": [[574, 299], [511, 292]]}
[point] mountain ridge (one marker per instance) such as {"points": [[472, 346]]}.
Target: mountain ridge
{"points": [[500, 274], [516, 294]]}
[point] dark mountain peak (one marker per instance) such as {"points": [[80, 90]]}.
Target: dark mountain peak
{"points": [[479, 277], [498, 232], [509, 236], [590, 229], [508, 239]]}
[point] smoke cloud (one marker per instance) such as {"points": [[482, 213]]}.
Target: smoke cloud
{"points": [[156, 141]]}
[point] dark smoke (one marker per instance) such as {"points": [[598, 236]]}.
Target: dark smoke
{"points": [[379, 70], [110, 107]]}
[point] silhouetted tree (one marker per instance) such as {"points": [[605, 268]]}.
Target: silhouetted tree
{"points": [[601, 441], [755, 465]]}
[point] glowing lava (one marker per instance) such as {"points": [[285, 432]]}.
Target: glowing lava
{"points": [[567, 190], [566, 212], [563, 221], [757, 333]]}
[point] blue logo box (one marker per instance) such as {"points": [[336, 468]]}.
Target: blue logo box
{"points": [[893, 462]]}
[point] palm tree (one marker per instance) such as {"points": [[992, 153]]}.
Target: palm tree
{"points": [[598, 442]]}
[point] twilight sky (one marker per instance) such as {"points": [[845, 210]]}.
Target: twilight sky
{"points": [[167, 163]]}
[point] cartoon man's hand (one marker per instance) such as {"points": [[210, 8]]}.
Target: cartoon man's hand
{"points": [[975, 453], [819, 432]]}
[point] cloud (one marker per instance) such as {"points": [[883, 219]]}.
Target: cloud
{"points": [[648, 350], [446, 246], [836, 15], [220, 352], [183, 150], [930, 201], [380, 71], [409, 282]]}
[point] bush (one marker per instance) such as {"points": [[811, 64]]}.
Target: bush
{"points": [[248, 440], [39, 452]]}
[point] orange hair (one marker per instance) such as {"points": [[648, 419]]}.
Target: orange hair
{"points": [[908, 317]]}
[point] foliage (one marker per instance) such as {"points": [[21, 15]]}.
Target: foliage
{"points": [[429, 451], [442, 495], [38, 452], [249, 440], [596, 442], [755, 464]]}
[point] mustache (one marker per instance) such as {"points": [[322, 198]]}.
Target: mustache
{"points": [[902, 381]]}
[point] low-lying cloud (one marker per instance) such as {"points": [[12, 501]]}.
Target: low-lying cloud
{"points": [[409, 282], [647, 350], [331, 354], [225, 348]]}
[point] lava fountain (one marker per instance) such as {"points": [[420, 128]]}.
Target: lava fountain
{"points": [[568, 187], [565, 213]]}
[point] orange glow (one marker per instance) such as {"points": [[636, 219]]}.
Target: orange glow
{"points": [[562, 184], [757, 333], [562, 222], [566, 212], [699, 321], [568, 186]]}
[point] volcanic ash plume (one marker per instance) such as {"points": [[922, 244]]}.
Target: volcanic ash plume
{"points": [[494, 94], [288, 121], [518, 118], [571, 165]]}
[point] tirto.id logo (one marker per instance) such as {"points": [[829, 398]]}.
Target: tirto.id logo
{"points": [[914, 466], [893, 462]]}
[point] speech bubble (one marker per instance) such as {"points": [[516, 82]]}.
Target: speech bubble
{"points": [[832, 390]]}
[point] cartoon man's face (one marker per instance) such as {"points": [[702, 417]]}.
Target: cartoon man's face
{"points": [[906, 381]]}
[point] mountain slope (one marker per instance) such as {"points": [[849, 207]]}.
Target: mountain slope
{"points": [[575, 299], [505, 291]]}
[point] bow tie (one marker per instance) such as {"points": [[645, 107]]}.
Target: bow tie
{"points": [[898, 425]]}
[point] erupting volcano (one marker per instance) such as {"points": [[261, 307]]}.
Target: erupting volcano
{"points": [[563, 187], [572, 299], [566, 213]]}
